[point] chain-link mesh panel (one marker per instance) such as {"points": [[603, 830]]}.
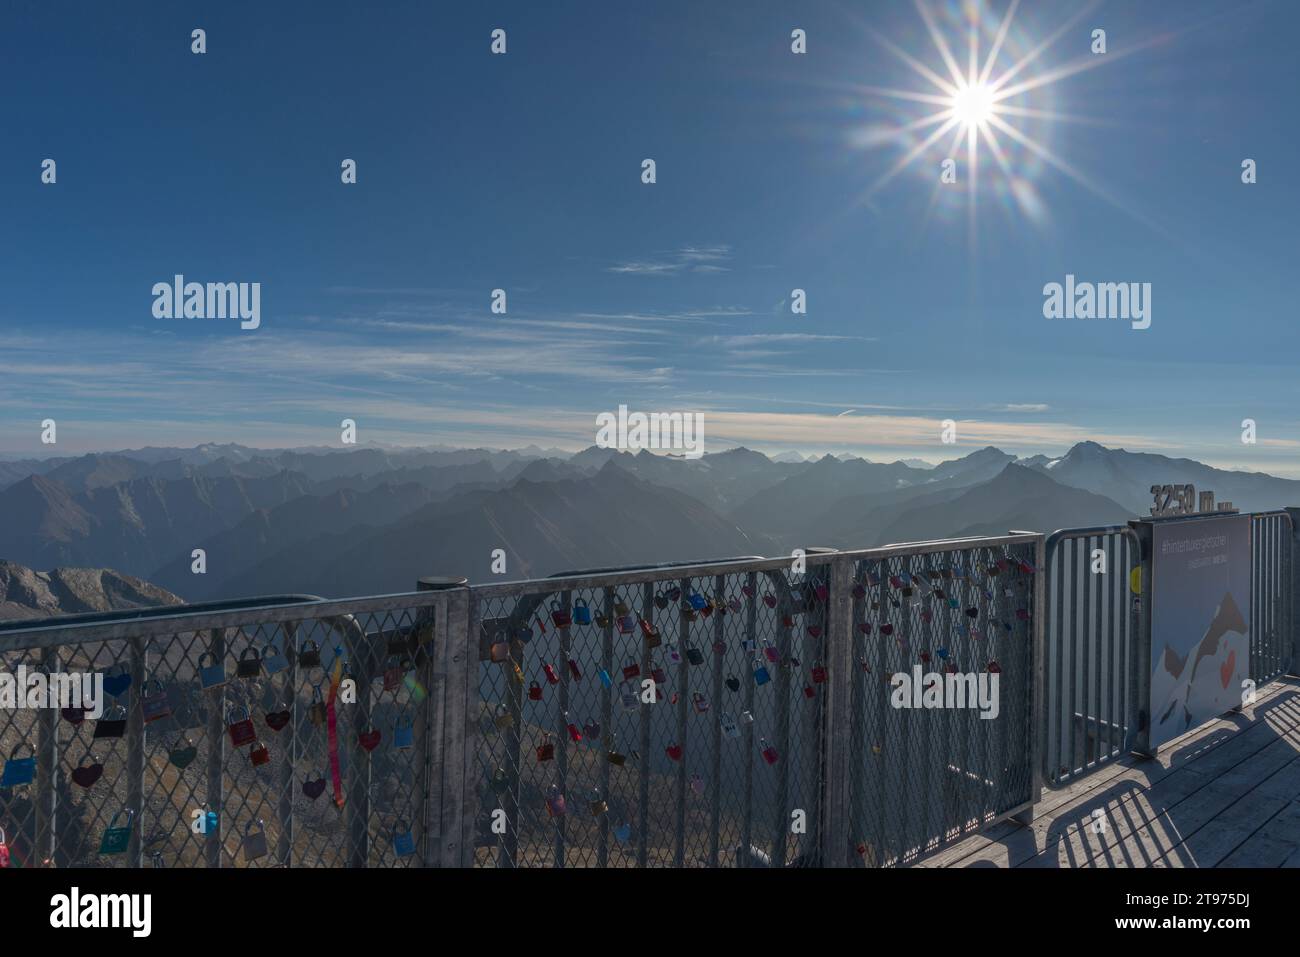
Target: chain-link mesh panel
{"points": [[932, 770], [669, 722], [230, 726]]}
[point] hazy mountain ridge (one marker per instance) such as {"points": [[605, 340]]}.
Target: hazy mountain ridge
{"points": [[337, 522], [25, 593]]}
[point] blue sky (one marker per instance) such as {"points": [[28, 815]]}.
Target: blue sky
{"points": [[522, 172]]}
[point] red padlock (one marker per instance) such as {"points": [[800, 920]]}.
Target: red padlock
{"points": [[808, 691], [631, 670], [574, 733], [241, 730], [818, 674], [769, 752], [657, 673], [560, 617], [769, 600], [535, 692], [551, 676], [393, 675], [4, 850], [259, 755], [545, 750]]}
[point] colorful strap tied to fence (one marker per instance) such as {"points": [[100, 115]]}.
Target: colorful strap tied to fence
{"points": [[331, 717]]}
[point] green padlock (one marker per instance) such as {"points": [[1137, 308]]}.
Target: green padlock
{"points": [[117, 836]]}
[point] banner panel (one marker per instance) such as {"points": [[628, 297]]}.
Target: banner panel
{"points": [[1200, 633]]}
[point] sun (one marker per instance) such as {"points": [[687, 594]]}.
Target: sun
{"points": [[973, 105]]}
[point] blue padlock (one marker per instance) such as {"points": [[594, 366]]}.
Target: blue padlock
{"points": [[213, 674], [403, 842], [403, 735], [605, 678], [581, 613], [698, 601], [19, 770], [525, 634], [761, 675]]}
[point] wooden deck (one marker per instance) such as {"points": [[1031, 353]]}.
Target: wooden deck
{"points": [[1224, 795]]}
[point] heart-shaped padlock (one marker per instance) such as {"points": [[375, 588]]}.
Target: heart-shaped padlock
{"points": [[85, 774], [314, 789], [183, 753]]}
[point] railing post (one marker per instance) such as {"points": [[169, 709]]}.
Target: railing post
{"points": [[1293, 567], [216, 741], [135, 751], [47, 766], [453, 691], [1140, 662], [1036, 737], [838, 758], [284, 846]]}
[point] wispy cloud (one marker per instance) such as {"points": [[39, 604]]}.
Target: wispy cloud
{"points": [[688, 259]]}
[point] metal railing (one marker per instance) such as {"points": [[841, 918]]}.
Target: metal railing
{"points": [[223, 709], [1272, 595], [1092, 648], [494, 728]]}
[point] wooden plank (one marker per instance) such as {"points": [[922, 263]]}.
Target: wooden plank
{"points": [[1172, 837], [1273, 844], [1011, 845]]}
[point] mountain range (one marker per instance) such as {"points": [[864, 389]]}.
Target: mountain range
{"points": [[339, 522]]}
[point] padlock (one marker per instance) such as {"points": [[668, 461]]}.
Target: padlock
{"points": [[213, 674], [116, 680], [314, 789], [729, 726], [661, 600], [657, 674], [597, 804], [674, 751], [808, 691], [814, 631], [393, 672], [555, 806], [254, 843], [249, 665], [574, 670], [631, 671], [746, 718], [761, 674], [278, 720], [734, 603], [864, 627], [503, 719], [631, 700], [787, 620], [575, 733], [706, 611], [545, 750], [369, 740], [698, 601], [524, 634], [4, 850], [770, 652], [73, 716], [1022, 614], [211, 821], [732, 683], [117, 836], [403, 841], [273, 660], [534, 691], [560, 617], [626, 624], [972, 612], [259, 754], [858, 591], [769, 752], [694, 655], [623, 832], [591, 730], [700, 701], [697, 782], [19, 770], [403, 735], [603, 621], [605, 680], [551, 676], [719, 647], [112, 724], [316, 713], [85, 774], [581, 613], [769, 599], [747, 590], [651, 634], [499, 652], [886, 629], [183, 753], [674, 656], [153, 701], [309, 656], [818, 674], [615, 757], [240, 728], [620, 608], [994, 668]]}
